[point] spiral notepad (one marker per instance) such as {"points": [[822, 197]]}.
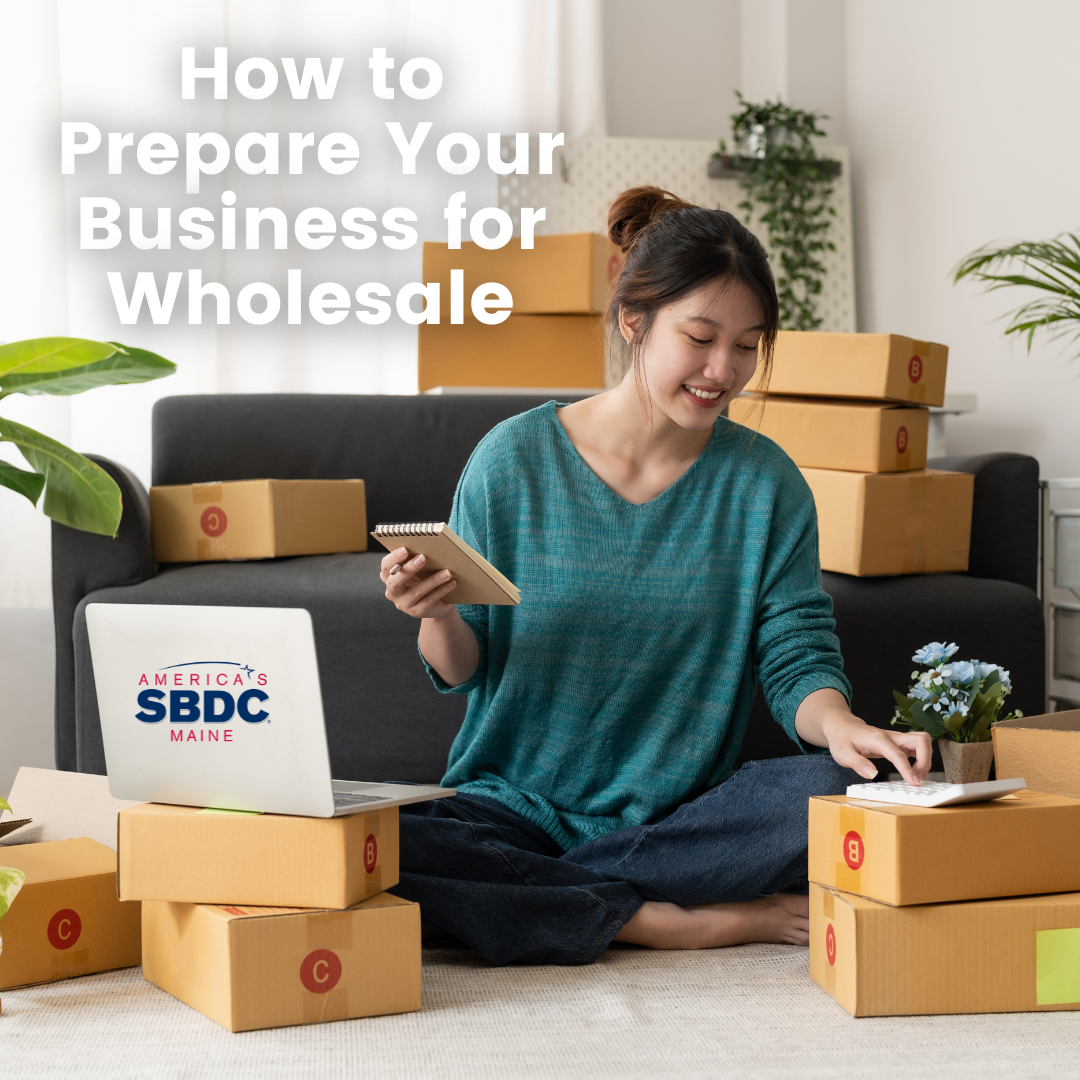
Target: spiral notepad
{"points": [[478, 582]]}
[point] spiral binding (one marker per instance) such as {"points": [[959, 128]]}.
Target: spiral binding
{"points": [[411, 528]]}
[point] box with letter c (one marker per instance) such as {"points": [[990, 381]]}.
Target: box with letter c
{"points": [[257, 519], [1018, 954], [67, 919], [262, 967]]}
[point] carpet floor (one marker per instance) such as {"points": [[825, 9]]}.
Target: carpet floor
{"points": [[742, 1012]]}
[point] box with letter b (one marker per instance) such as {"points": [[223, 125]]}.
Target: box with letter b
{"points": [[273, 860], [1023, 844]]}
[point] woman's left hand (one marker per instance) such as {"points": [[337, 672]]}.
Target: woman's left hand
{"points": [[824, 719]]}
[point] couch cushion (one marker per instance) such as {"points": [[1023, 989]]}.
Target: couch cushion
{"points": [[384, 719]]}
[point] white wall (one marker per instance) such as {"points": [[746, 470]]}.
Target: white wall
{"points": [[670, 70], [961, 120]]}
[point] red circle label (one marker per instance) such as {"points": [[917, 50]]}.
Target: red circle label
{"points": [[371, 853], [830, 945], [915, 368], [320, 971], [854, 850], [213, 521], [64, 929], [901, 440]]}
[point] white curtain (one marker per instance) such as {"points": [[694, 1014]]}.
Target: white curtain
{"points": [[508, 65]]}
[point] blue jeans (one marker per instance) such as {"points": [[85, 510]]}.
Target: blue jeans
{"points": [[502, 886]]}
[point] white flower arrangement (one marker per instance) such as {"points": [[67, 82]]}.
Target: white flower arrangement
{"points": [[955, 699]]}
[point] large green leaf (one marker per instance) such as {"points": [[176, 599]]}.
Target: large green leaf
{"points": [[77, 492], [65, 352], [67, 371], [25, 483], [11, 881]]}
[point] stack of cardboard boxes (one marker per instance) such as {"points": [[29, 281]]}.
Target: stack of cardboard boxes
{"points": [[553, 336], [963, 909], [850, 410], [266, 920], [256, 920]]}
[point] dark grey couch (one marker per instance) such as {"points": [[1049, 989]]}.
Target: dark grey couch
{"points": [[384, 719]]}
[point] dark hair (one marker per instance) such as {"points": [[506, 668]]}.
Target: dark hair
{"points": [[672, 248]]}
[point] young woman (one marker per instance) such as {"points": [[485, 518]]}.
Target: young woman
{"points": [[668, 561]]}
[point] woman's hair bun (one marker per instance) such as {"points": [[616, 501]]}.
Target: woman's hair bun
{"points": [[636, 209]]}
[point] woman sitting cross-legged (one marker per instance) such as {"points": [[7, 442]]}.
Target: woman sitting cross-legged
{"points": [[668, 563]]}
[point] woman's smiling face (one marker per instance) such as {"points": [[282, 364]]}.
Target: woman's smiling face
{"points": [[701, 352]]}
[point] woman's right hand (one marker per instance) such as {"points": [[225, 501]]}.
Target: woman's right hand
{"points": [[419, 597]]}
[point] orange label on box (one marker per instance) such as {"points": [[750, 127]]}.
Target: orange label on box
{"points": [[320, 971], [213, 521], [64, 929], [371, 853], [915, 369], [854, 850], [830, 945], [902, 440]]}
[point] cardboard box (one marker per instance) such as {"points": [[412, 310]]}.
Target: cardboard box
{"points": [[267, 860], [884, 367], [820, 433], [257, 519], [1016, 955], [1046, 750], [568, 274], [66, 921], [893, 523], [525, 350], [251, 967], [902, 855]]}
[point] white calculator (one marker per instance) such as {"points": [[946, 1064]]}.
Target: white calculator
{"points": [[932, 793]]}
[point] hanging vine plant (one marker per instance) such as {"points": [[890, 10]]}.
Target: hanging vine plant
{"points": [[787, 190]]}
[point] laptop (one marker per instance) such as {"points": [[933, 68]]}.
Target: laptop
{"points": [[220, 707]]}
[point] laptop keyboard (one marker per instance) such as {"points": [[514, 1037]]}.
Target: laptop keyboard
{"points": [[342, 798]]}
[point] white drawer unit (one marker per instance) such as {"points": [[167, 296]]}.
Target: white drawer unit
{"points": [[1060, 588]]}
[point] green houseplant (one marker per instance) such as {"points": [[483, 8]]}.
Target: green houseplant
{"points": [[77, 492], [955, 702], [788, 186], [1050, 266], [11, 881]]}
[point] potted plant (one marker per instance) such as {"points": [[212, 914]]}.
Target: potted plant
{"points": [[11, 881], [78, 493], [956, 701], [789, 188], [1050, 266]]}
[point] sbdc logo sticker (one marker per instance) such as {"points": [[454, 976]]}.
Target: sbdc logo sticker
{"points": [[64, 929], [320, 971], [915, 369], [213, 521], [854, 850], [830, 945], [371, 853], [901, 440]]}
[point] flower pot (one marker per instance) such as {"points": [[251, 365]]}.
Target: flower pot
{"points": [[966, 762]]}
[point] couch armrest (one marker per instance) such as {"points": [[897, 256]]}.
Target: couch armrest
{"points": [[1005, 516], [83, 562]]}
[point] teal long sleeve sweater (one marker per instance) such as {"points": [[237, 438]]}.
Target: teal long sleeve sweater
{"points": [[620, 686]]}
